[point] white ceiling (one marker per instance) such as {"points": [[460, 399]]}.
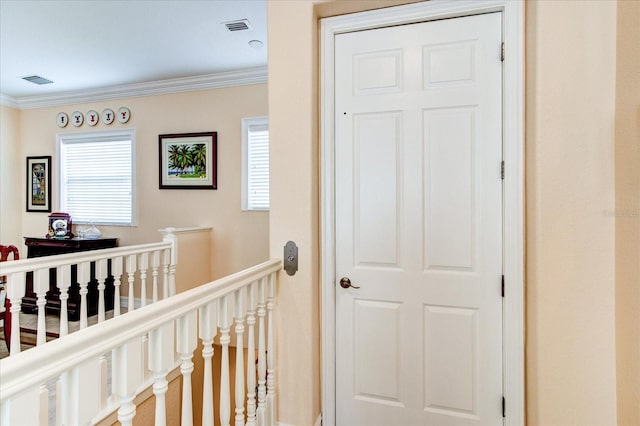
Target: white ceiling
{"points": [[96, 44]]}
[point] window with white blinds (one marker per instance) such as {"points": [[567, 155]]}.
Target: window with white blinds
{"points": [[255, 163], [97, 178]]}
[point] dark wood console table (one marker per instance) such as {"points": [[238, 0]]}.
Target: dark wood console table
{"points": [[38, 247]]}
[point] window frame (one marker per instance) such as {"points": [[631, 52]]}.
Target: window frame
{"points": [[247, 122], [98, 136]]}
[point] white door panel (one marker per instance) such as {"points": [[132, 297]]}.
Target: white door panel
{"points": [[418, 224]]}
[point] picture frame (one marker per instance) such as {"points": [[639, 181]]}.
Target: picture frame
{"points": [[188, 160], [39, 184]]}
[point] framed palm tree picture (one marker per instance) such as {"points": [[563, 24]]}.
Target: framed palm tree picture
{"points": [[39, 184], [188, 160]]}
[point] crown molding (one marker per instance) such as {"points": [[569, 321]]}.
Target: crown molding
{"points": [[160, 87], [8, 101]]}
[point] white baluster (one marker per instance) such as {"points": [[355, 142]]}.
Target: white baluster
{"points": [[58, 401], [172, 280], [251, 357], [144, 265], [43, 403], [41, 286], [170, 236], [62, 395], [116, 271], [239, 385], [20, 410], [166, 259], [225, 387], [15, 292], [161, 357], [271, 368], [146, 372], [115, 378], [104, 371], [128, 367], [141, 265], [262, 363], [102, 272], [155, 263], [131, 271], [186, 344], [81, 404], [65, 398], [83, 274], [207, 331], [64, 281]]}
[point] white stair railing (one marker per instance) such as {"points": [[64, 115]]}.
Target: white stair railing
{"points": [[127, 264], [171, 326]]}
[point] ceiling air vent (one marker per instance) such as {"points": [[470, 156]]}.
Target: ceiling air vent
{"points": [[36, 79], [240, 25]]}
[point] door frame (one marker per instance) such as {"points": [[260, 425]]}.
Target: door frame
{"points": [[513, 331]]}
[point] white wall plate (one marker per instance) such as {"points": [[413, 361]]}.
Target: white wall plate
{"points": [[77, 118], [108, 116], [124, 114], [92, 117], [62, 119]]}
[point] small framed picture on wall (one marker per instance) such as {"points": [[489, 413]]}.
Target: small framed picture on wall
{"points": [[188, 161], [39, 184]]}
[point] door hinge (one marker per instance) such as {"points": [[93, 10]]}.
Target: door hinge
{"points": [[503, 286], [502, 170], [504, 407], [502, 52]]}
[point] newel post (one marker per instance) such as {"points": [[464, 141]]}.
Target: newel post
{"points": [[169, 235]]}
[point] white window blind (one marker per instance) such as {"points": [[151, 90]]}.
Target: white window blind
{"points": [[97, 177], [256, 163]]}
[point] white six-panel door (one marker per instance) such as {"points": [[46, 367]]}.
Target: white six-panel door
{"points": [[418, 224]]}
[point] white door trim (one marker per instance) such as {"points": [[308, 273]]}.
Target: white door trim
{"points": [[513, 188]]}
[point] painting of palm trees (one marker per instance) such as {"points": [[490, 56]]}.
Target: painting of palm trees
{"points": [[38, 180], [188, 161]]}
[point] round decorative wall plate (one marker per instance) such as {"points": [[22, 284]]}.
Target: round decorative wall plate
{"points": [[62, 119], [108, 116], [124, 114], [77, 118], [92, 118]]}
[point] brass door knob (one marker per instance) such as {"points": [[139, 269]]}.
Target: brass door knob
{"points": [[345, 282]]}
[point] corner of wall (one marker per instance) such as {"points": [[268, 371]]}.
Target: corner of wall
{"points": [[11, 173], [627, 212]]}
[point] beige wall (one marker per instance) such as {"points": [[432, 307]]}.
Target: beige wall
{"points": [[12, 168], [570, 92], [294, 204], [627, 213], [570, 102], [194, 251], [239, 239]]}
